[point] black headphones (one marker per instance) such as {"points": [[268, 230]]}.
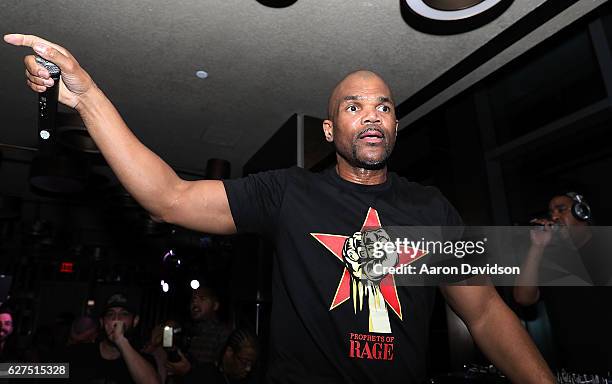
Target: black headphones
{"points": [[580, 208]]}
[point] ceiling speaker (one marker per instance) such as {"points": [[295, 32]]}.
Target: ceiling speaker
{"points": [[448, 10], [448, 17]]}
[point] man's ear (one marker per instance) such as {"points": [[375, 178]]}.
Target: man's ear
{"points": [[136, 320], [396, 127], [328, 130], [216, 306]]}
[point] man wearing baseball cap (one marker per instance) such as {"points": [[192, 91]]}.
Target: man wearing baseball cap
{"points": [[114, 359]]}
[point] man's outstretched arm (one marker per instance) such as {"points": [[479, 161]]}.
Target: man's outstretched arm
{"points": [[498, 333], [200, 205]]}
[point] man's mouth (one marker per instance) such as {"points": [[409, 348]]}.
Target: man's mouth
{"points": [[372, 136]]}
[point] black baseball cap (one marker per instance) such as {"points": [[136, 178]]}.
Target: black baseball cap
{"points": [[122, 300]]}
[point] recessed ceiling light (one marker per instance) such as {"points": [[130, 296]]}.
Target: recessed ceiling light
{"points": [[202, 74], [277, 3]]}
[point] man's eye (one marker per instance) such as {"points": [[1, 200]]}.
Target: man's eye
{"points": [[384, 108], [351, 108]]}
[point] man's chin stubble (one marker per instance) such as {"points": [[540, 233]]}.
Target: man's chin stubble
{"points": [[372, 165]]}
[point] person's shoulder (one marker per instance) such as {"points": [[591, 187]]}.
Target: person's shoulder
{"points": [[280, 171], [291, 175], [281, 175], [298, 173], [405, 185], [427, 196]]}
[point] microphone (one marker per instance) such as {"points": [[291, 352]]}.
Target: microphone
{"points": [[47, 101], [554, 226]]}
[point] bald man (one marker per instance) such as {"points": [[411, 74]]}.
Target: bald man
{"points": [[333, 319]]}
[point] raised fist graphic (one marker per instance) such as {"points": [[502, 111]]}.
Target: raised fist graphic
{"points": [[368, 261]]}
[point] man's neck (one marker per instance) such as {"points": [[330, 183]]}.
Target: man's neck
{"points": [[360, 175], [206, 320], [581, 236], [109, 351]]}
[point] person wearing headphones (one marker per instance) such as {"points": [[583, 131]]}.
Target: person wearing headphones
{"points": [[580, 316]]}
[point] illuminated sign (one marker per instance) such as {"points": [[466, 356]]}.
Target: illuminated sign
{"points": [[66, 267]]}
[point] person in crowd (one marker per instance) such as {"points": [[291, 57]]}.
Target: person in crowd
{"points": [[114, 359], [84, 329], [8, 349], [580, 315], [205, 335], [167, 352], [153, 347], [235, 364]]}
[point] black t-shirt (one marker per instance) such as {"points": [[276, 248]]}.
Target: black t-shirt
{"points": [[323, 330], [87, 366], [581, 317], [10, 352]]}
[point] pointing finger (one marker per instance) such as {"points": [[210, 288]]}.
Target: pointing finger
{"points": [[31, 40]]}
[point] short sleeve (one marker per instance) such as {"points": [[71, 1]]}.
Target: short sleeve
{"points": [[451, 217], [255, 200], [448, 217]]}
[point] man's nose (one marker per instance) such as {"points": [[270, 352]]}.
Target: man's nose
{"points": [[371, 117]]}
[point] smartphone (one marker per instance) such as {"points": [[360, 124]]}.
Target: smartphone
{"points": [[168, 337], [168, 343]]}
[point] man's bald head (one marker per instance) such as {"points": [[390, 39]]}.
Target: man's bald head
{"points": [[362, 124], [352, 79]]}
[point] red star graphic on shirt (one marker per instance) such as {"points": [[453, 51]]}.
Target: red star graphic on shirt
{"points": [[335, 243]]}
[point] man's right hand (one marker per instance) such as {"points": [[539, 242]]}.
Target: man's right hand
{"points": [[117, 333], [541, 236], [74, 81], [199, 205]]}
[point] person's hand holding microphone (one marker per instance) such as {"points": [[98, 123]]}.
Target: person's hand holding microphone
{"points": [[541, 236], [75, 83]]}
